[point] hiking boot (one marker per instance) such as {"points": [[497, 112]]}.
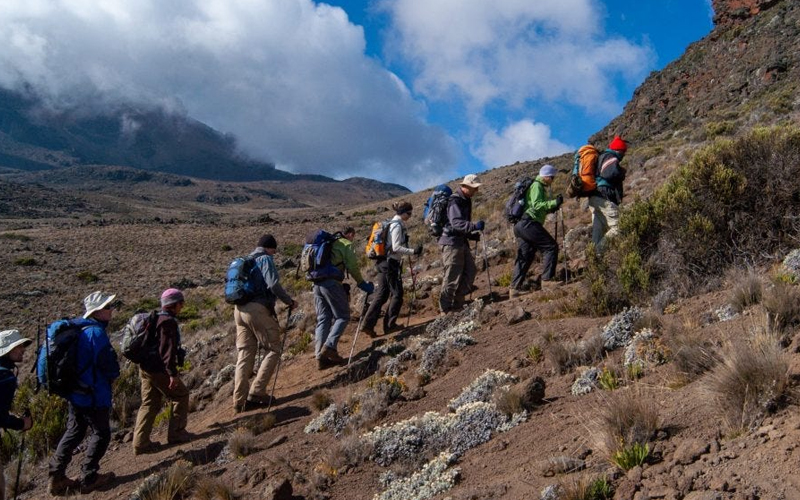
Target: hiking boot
{"points": [[369, 332], [144, 449], [391, 329], [517, 292], [94, 481], [332, 356], [62, 485], [256, 402], [179, 437], [323, 364]]}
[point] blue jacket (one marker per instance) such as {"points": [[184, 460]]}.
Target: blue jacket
{"points": [[97, 365]]}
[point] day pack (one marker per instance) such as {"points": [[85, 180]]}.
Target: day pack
{"points": [[57, 359], [515, 205], [377, 242], [583, 179], [434, 214], [243, 281], [315, 260], [139, 337]]}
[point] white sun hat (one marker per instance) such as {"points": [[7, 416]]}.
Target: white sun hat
{"points": [[96, 301], [9, 339]]}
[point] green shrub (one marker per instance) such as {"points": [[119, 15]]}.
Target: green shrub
{"points": [[49, 423], [713, 129], [127, 394], [631, 456], [608, 380], [301, 345], [190, 311], [292, 249], [87, 277], [26, 261], [723, 209], [15, 236], [535, 353]]}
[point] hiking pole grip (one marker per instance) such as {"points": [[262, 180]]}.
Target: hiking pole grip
{"points": [[280, 355], [358, 328]]}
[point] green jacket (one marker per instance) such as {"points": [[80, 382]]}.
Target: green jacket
{"points": [[343, 257], [537, 203]]}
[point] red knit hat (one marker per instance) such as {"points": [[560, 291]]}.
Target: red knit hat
{"points": [[618, 144]]}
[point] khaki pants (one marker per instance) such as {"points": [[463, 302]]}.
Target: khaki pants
{"points": [[155, 387], [605, 217], [459, 276], [254, 325]]}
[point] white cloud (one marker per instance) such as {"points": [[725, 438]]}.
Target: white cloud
{"points": [[289, 78], [520, 141], [514, 51]]}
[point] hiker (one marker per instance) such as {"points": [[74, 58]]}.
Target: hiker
{"points": [[12, 350], [332, 305], [89, 409], [160, 379], [605, 200], [389, 267], [457, 259], [532, 235], [257, 323]]}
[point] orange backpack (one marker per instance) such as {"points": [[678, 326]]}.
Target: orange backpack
{"points": [[376, 245], [584, 172]]}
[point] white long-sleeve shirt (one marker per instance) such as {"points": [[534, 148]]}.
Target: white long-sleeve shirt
{"points": [[397, 238]]}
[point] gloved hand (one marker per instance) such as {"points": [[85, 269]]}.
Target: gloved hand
{"points": [[366, 287], [480, 225], [559, 201], [418, 250], [474, 236]]}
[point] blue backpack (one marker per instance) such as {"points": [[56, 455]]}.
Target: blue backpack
{"points": [[434, 213], [57, 359], [243, 281], [315, 260]]}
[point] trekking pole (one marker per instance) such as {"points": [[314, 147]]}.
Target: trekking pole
{"points": [[358, 328], [19, 460], [564, 245], [413, 289], [486, 264], [280, 355]]}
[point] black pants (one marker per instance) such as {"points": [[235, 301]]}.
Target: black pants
{"points": [[78, 421], [390, 284], [532, 236]]}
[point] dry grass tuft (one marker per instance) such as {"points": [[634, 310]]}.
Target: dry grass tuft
{"points": [[747, 289], [261, 423], [750, 382], [321, 399], [782, 303], [175, 482], [585, 487], [627, 418], [692, 354], [349, 451], [241, 442], [564, 356], [509, 401], [210, 488]]}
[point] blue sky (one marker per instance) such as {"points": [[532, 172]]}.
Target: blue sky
{"points": [[409, 91]]}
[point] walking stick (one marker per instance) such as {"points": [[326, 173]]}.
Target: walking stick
{"points": [[486, 265], [564, 245], [358, 329], [19, 461], [280, 355], [413, 289]]}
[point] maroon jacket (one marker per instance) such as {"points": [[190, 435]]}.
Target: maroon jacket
{"points": [[168, 339]]}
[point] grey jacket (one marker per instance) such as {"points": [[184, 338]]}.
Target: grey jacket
{"points": [[459, 213]]}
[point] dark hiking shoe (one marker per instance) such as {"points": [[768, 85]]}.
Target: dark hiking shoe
{"points": [[392, 329], [332, 356], [62, 485], [94, 481], [144, 449], [323, 364], [181, 437], [517, 292], [369, 332]]}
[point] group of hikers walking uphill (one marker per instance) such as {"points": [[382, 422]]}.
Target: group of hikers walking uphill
{"points": [[78, 362]]}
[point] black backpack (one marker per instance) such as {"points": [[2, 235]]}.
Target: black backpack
{"points": [[515, 206], [57, 359], [138, 341]]}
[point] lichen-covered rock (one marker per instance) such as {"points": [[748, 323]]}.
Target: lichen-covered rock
{"points": [[791, 263], [586, 381], [552, 492], [645, 350], [434, 478], [334, 419], [482, 388], [725, 313], [618, 332], [436, 353]]}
